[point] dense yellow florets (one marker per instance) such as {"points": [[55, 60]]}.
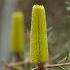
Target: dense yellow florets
{"points": [[38, 41], [17, 35]]}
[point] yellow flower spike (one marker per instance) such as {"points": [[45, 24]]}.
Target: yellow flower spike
{"points": [[17, 36], [38, 41]]}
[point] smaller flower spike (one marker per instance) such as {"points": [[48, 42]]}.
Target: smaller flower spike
{"points": [[17, 35], [38, 37]]}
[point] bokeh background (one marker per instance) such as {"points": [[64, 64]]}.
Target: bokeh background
{"points": [[58, 25]]}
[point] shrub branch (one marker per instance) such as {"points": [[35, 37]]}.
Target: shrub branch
{"points": [[10, 65]]}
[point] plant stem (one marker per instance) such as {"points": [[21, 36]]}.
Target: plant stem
{"points": [[18, 57], [41, 67]]}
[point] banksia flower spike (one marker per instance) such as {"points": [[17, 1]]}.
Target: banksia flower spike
{"points": [[17, 35], [38, 41]]}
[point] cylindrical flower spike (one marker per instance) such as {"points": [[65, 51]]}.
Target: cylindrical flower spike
{"points": [[38, 41], [17, 35]]}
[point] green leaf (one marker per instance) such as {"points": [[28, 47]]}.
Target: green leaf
{"points": [[67, 16], [67, 56], [62, 68], [68, 8], [67, 2], [49, 29]]}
